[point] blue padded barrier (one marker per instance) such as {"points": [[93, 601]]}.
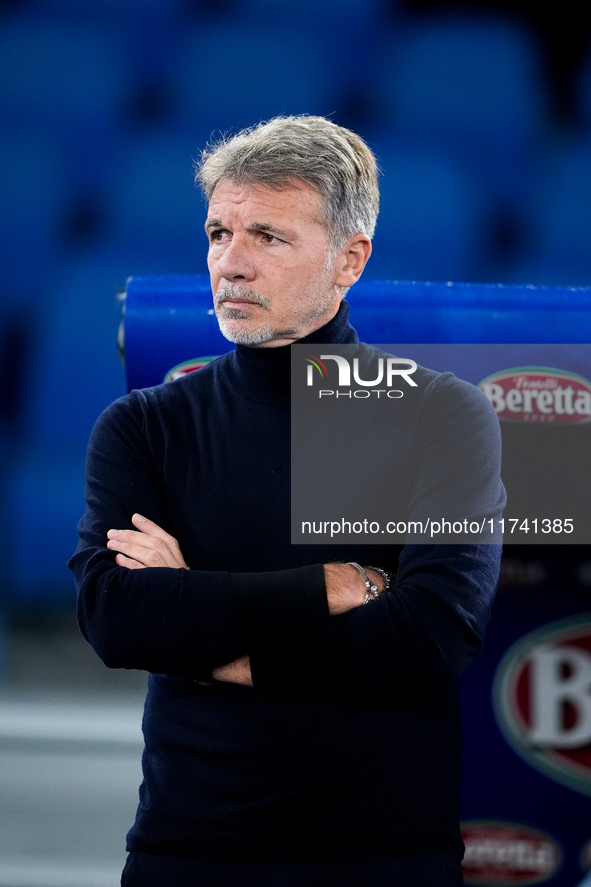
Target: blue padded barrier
{"points": [[525, 802], [170, 319]]}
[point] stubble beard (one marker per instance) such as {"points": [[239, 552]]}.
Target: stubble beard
{"points": [[240, 335], [263, 332]]}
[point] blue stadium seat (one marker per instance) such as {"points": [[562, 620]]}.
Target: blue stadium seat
{"points": [[145, 31], [106, 10], [34, 192], [433, 222], [582, 93], [61, 74], [558, 214], [233, 73], [73, 372], [151, 201], [471, 81], [324, 13]]}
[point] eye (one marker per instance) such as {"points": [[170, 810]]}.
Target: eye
{"points": [[217, 235], [269, 238]]}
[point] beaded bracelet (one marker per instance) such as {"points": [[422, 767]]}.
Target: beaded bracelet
{"points": [[385, 576], [371, 590]]}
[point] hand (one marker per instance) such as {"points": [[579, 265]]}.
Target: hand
{"points": [[237, 672], [148, 546], [345, 588]]}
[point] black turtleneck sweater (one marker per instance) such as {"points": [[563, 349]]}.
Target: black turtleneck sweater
{"points": [[349, 741]]}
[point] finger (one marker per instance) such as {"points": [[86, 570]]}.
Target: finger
{"points": [[153, 531], [130, 536], [146, 530], [148, 552], [161, 550], [149, 528], [131, 542], [128, 562]]}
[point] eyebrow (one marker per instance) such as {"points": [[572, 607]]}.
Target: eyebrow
{"points": [[270, 229], [256, 226]]}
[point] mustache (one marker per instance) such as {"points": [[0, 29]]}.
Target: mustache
{"points": [[233, 292]]}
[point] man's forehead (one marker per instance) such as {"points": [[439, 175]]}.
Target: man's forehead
{"points": [[279, 195]]}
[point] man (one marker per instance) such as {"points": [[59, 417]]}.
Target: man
{"points": [[293, 735]]}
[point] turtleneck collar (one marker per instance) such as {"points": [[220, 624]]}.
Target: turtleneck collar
{"points": [[269, 369]]}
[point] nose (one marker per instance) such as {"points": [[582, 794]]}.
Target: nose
{"points": [[236, 262]]}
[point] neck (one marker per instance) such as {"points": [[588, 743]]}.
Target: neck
{"points": [[270, 368]]}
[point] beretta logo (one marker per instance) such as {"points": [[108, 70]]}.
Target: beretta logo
{"points": [[542, 700], [503, 853], [188, 366], [539, 394]]}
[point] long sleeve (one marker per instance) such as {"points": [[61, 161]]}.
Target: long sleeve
{"points": [[430, 627], [160, 619], [226, 766], [426, 631]]}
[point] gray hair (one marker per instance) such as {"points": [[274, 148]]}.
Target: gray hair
{"points": [[331, 159]]}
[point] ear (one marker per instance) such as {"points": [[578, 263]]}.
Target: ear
{"points": [[351, 259]]}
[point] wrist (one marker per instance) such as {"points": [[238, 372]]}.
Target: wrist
{"points": [[376, 581], [371, 589], [345, 589]]}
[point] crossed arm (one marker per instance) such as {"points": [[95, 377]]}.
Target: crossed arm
{"points": [[151, 546], [298, 629]]}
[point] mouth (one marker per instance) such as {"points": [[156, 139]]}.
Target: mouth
{"points": [[233, 299], [237, 303]]}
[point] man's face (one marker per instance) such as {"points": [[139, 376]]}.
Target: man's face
{"points": [[268, 263]]}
